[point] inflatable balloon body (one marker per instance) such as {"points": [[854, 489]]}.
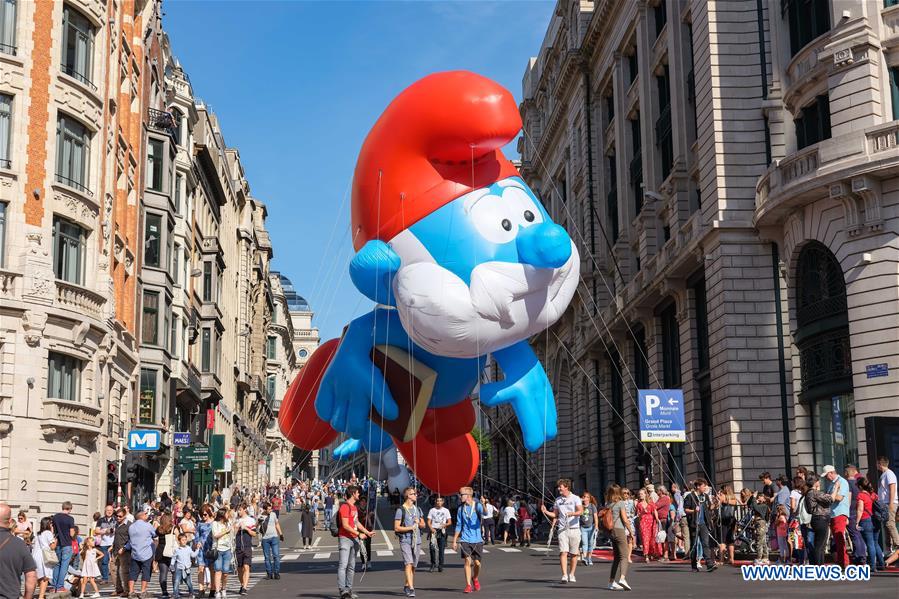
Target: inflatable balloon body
{"points": [[463, 262]]}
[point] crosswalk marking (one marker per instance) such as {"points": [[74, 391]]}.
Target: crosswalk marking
{"points": [[384, 553], [510, 550], [290, 556], [539, 548], [321, 556]]}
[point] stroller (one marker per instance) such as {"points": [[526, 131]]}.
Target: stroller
{"points": [[744, 537]]}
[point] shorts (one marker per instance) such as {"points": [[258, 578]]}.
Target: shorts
{"points": [[472, 550], [410, 553], [570, 540], [527, 524], [244, 557], [140, 567], [223, 562]]}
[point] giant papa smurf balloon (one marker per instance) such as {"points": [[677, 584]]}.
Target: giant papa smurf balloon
{"points": [[463, 262]]}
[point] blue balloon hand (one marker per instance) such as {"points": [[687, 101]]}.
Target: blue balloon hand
{"points": [[347, 449], [527, 389], [352, 384], [372, 270]]}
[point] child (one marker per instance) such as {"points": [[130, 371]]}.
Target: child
{"points": [[780, 521], [181, 561], [89, 568]]}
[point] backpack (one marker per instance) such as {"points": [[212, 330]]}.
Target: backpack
{"points": [[606, 519], [879, 511], [262, 525], [334, 523]]}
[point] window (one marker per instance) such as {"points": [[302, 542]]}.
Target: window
{"points": [[207, 281], [2, 234], [63, 377], [152, 241], [637, 165], [671, 374], [661, 16], [166, 320], [173, 336], [178, 130], [610, 109], [5, 128], [632, 66], [146, 408], [302, 353], [77, 45], [8, 26], [176, 264], [68, 251], [270, 387], [271, 348], [72, 153], [813, 123], [150, 321], [808, 19], [155, 164], [176, 193], [664, 140], [206, 350], [641, 365], [612, 200]]}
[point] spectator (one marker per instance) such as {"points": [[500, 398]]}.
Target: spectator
{"points": [[439, 519], [44, 542], [698, 506], [859, 550], [838, 488], [727, 521], [621, 526], [24, 528], [768, 488], [681, 525], [222, 541], [140, 542], [566, 515], [15, 560], [165, 548], [270, 529], [407, 524], [887, 493], [866, 525], [782, 497], [819, 505], [121, 551], [245, 531], [348, 541], [105, 530], [469, 517], [64, 528], [181, 562]]}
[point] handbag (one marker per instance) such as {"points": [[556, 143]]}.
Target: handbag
{"points": [[661, 537], [50, 557], [171, 542]]}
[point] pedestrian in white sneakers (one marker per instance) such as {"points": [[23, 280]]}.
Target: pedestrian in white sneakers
{"points": [[566, 514], [621, 527]]}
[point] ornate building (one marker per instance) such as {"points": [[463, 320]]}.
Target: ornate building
{"points": [[726, 170]]}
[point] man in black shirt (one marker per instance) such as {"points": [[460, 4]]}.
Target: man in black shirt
{"points": [[15, 560], [121, 555], [768, 488], [64, 527], [698, 507]]}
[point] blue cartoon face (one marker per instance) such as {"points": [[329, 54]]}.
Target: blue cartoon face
{"points": [[501, 223]]}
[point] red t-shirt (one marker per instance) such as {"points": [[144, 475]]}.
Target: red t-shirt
{"points": [[662, 506], [350, 513], [276, 502], [868, 503]]}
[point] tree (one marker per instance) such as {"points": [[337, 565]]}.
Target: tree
{"points": [[484, 445]]}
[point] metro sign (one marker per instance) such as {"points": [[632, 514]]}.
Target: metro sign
{"points": [[144, 440]]}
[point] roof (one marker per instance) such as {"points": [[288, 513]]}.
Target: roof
{"points": [[295, 303]]}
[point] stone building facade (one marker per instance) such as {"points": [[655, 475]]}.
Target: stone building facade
{"points": [[116, 192], [281, 365], [726, 171]]}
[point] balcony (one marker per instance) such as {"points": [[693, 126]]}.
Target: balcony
{"points": [[76, 298], [79, 77], [8, 49], [72, 415], [163, 121], [8, 284], [807, 175]]}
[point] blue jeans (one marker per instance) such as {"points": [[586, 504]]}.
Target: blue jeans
{"points": [[183, 575], [271, 551], [104, 563], [62, 568], [869, 534], [587, 541]]}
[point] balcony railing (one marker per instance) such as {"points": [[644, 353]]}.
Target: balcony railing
{"points": [[79, 299], [74, 414], [74, 184], [164, 121], [8, 284], [80, 77], [8, 49], [5, 163]]}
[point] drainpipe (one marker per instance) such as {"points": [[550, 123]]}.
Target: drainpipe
{"points": [[778, 314]]}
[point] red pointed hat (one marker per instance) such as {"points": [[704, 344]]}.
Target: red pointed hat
{"points": [[439, 139]]}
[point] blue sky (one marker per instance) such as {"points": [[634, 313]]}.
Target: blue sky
{"points": [[297, 86]]}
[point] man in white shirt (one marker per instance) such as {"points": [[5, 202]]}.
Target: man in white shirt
{"points": [[439, 519], [567, 512], [886, 493]]}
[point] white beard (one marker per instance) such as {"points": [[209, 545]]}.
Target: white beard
{"points": [[506, 303]]}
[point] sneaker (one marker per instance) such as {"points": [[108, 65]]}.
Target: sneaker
{"points": [[571, 578], [623, 584], [412, 592], [712, 568], [277, 576], [614, 586], [477, 585], [224, 594], [432, 568], [564, 579], [242, 591], [467, 588]]}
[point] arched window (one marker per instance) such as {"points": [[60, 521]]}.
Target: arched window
{"points": [[822, 338]]}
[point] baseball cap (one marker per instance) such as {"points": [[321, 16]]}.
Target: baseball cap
{"points": [[827, 470]]}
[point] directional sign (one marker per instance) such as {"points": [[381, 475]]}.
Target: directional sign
{"points": [[838, 437], [181, 439], [662, 415], [144, 440]]}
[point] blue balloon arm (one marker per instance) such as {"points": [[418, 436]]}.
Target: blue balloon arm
{"points": [[372, 270], [527, 389], [347, 449]]}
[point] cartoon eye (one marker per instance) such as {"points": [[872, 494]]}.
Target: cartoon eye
{"points": [[494, 219], [523, 206], [529, 216], [507, 224]]}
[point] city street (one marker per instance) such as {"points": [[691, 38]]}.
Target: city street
{"points": [[526, 573]]}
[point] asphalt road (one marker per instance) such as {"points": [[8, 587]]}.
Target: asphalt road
{"points": [[522, 573]]}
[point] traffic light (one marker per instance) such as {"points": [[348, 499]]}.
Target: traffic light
{"points": [[112, 474], [131, 473]]}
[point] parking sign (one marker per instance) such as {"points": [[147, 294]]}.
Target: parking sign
{"points": [[662, 415]]}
